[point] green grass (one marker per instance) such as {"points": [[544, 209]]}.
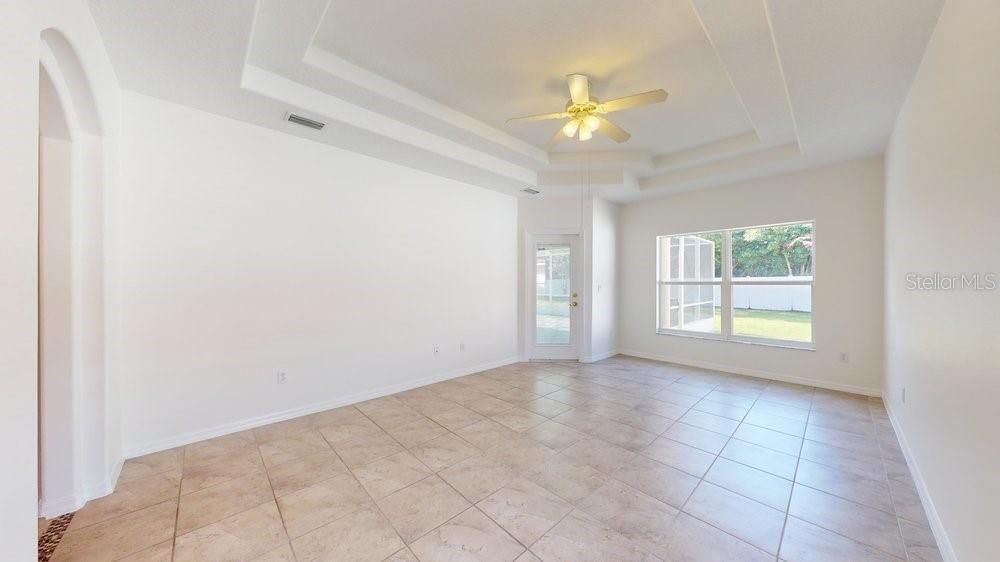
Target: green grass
{"points": [[772, 324]]}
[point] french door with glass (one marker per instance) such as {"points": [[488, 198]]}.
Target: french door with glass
{"points": [[554, 310]]}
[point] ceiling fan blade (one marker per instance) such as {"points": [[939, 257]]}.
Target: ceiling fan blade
{"points": [[645, 98], [579, 88], [558, 137], [539, 117], [609, 129]]}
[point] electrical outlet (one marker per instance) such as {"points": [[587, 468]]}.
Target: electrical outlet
{"points": [[281, 377], [461, 347], [437, 349], [844, 358], [904, 395]]}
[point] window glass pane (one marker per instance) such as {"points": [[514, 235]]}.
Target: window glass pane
{"points": [[780, 312], [761, 256], [773, 251], [693, 308], [675, 258], [692, 257]]}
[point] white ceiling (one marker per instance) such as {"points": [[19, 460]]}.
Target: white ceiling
{"points": [[497, 60], [756, 87]]}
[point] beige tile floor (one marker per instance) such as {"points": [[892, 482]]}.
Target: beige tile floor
{"points": [[625, 459]]}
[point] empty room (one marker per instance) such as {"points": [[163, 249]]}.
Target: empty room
{"points": [[532, 281]]}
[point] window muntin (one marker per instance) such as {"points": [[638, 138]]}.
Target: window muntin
{"points": [[751, 284]]}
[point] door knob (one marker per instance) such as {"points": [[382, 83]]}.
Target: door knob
{"points": [[574, 303]]}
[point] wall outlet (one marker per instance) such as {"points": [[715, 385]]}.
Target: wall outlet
{"points": [[461, 347], [281, 377], [844, 358], [904, 395], [437, 349]]}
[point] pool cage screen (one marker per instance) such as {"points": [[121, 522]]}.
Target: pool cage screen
{"points": [[690, 261]]}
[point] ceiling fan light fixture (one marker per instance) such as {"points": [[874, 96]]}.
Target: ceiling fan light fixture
{"points": [[586, 113], [569, 129]]}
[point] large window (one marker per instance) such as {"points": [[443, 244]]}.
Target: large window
{"points": [[745, 284]]}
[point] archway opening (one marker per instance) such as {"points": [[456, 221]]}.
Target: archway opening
{"points": [[76, 463], [56, 465]]}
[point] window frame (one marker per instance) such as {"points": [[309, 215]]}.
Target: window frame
{"points": [[726, 285]]}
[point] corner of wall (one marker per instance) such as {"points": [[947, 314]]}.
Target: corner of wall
{"points": [[933, 517]]}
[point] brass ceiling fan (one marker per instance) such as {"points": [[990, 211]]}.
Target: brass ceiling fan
{"points": [[586, 114]]}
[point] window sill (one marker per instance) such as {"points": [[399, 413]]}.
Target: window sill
{"points": [[764, 343]]}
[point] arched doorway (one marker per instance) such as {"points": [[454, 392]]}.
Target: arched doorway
{"points": [[71, 379], [55, 384]]}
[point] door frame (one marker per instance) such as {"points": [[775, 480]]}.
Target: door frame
{"points": [[533, 351]]}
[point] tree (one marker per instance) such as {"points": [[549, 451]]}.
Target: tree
{"points": [[775, 251]]}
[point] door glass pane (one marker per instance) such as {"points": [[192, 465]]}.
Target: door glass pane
{"points": [[552, 294]]}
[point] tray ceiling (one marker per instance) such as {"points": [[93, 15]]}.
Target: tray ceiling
{"points": [[756, 87], [496, 60]]}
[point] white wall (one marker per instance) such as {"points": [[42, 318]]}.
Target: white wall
{"points": [[551, 214], [942, 201], [595, 221], [845, 200], [55, 345], [545, 214], [245, 251], [20, 52], [604, 281]]}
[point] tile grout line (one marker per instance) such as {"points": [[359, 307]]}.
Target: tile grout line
{"points": [[791, 492], [374, 502], [838, 533], [709, 469], [177, 512], [888, 480], [596, 398], [472, 505], [274, 496]]}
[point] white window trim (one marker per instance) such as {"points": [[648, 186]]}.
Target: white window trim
{"points": [[726, 284]]}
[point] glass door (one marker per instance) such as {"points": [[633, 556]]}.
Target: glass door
{"points": [[556, 299]]}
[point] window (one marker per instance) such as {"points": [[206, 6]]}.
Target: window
{"points": [[745, 284]]}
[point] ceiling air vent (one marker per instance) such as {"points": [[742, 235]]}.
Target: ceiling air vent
{"points": [[530, 191], [305, 122]]}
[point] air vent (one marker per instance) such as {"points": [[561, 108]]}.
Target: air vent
{"points": [[305, 122], [530, 191]]}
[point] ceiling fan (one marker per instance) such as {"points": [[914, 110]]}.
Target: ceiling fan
{"points": [[586, 114]]}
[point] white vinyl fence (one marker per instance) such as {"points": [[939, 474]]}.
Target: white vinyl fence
{"points": [[771, 297]]}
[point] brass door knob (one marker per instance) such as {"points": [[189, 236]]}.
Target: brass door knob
{"points": [[574, 303]]}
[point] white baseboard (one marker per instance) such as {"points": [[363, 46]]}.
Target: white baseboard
{"points": [[599, 356], [108, 486], [853, 389], [943, 543], [250, 423], [59, 506]]}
